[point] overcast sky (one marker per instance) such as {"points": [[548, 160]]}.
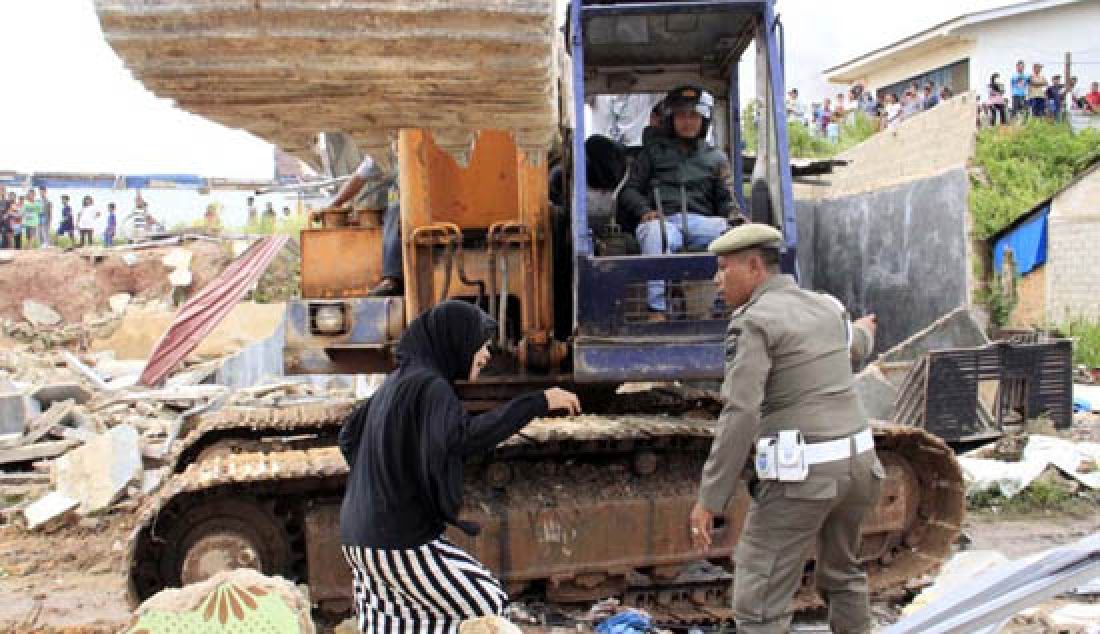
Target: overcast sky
{"points": [[70, 105]]}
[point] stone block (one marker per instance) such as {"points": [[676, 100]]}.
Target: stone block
{"points": [[47, 395], [40, 314], [98, 473], [13, 412], [48, 511]]}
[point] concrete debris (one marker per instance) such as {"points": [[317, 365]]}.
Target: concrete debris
{"points": [[45, 422], [1075, 460], [178, 258], [47, 395], [1075, 618], [78, 366], [130, 259], [37, 451], [243, 598], [119, 302], [40, 314], [957, 329], [98, 473], [876, 393], [180, 278], [488, 625], [6, 256], [49, 512], [13, 411]]}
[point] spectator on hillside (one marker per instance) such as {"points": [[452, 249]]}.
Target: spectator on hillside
{"points": [[930, 99], [67, 226], [945, 94], [1020, 81], [45, 216], [15, 219], [253, 213], [1056, 98], [112, 226], [32, 215], [868, 104], [826, 116], [892, 110], [5, 225], [796, 111], [1092, 99], [996, 100], [86, 221], [268, 221], [1074, 101], [1037, 91], [910, 103]]}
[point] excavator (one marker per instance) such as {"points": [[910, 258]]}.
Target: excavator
{"points": [[473, 103]]}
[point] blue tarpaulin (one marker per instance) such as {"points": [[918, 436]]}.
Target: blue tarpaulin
{"points": [[145, 181], [1028, 242]]}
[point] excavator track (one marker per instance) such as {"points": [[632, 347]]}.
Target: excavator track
{"points": [[573, 510]]}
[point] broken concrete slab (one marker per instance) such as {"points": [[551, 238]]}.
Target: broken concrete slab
{"points": [[47, 395], [1075, 618], [180, 278], [13, 412], [876, 394], [178, 258], [40, 314], [98, 473], [45, 421], [254, 601], [119, 302], [957, 329], [37, 451], [49, 511]]}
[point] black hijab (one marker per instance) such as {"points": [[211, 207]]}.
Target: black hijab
{"points": [[415, 420]]}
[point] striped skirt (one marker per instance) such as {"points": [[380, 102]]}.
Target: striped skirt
{"points": [[425, 590]]}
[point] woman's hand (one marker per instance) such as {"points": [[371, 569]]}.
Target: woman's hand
{"points": [[558, 399]]}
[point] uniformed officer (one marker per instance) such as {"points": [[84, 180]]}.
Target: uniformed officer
{"points": [[788, 369], [681, 177]]}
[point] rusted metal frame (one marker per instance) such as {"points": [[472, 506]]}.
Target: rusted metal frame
{"points": [[502, 238]]}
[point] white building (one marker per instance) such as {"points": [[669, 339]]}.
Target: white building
{"points": [[963, 52]]}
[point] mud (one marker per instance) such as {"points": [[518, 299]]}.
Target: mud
{"points": [[79, 283]]}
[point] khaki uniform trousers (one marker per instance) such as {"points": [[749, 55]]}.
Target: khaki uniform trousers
{"points": [[785, 521]]}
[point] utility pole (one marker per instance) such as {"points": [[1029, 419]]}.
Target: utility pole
{"points": [[1066, 79]]}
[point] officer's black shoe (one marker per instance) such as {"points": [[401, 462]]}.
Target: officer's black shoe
{"points": [[388, 287]]}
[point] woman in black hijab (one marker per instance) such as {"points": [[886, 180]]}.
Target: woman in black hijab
{"points": [[406, 448]]}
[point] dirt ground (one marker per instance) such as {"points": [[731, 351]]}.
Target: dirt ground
{"points": [[79, 283], [73, 581]]}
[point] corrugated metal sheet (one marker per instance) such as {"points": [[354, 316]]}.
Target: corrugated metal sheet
{"points": [[203, 312]]}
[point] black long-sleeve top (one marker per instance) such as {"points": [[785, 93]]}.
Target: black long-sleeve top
{"points": [[406, 447]]}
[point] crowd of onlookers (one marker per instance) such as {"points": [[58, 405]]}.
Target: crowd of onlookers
{"points": [[32, 220], [1027, 95]]}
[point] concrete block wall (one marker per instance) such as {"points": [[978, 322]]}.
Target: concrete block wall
{"points": [[1073, 260], [925, 145]]}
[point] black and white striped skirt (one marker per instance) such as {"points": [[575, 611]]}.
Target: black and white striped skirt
{"points": [[425, 590]]}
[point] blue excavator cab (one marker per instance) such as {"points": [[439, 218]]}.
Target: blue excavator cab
{"points": [[633, 48]]}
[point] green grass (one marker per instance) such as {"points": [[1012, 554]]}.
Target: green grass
{"points": [[804, 144], [1086, 344], [1019, 166], [1040, 495]]}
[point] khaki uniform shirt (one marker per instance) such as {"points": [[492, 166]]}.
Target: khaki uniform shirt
{"points": [[788, 366]]}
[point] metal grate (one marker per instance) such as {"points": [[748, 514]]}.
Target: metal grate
{"points": [[693, 300], [940, 393]]}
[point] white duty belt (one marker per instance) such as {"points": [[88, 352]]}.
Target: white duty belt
{"points": [[839, 449]]}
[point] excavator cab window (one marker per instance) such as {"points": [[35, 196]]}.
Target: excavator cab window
{"points": [[624, 56]]}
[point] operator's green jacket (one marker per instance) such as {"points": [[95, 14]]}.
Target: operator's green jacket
{"points": [[703, 170], [788, 366]]}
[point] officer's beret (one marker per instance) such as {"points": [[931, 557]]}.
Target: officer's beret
{"points": [[747, 236]]}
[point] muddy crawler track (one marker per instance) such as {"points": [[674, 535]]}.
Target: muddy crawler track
{"points": [[564, 493]]}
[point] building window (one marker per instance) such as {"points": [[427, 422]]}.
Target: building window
{"points": [[955, 76]]}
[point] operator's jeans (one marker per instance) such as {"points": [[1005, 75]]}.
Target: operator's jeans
{"points": [[391, 242], [702, 230]]}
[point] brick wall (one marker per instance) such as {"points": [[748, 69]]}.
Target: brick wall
{"points": [[1073, 257], [1073, 251]]}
